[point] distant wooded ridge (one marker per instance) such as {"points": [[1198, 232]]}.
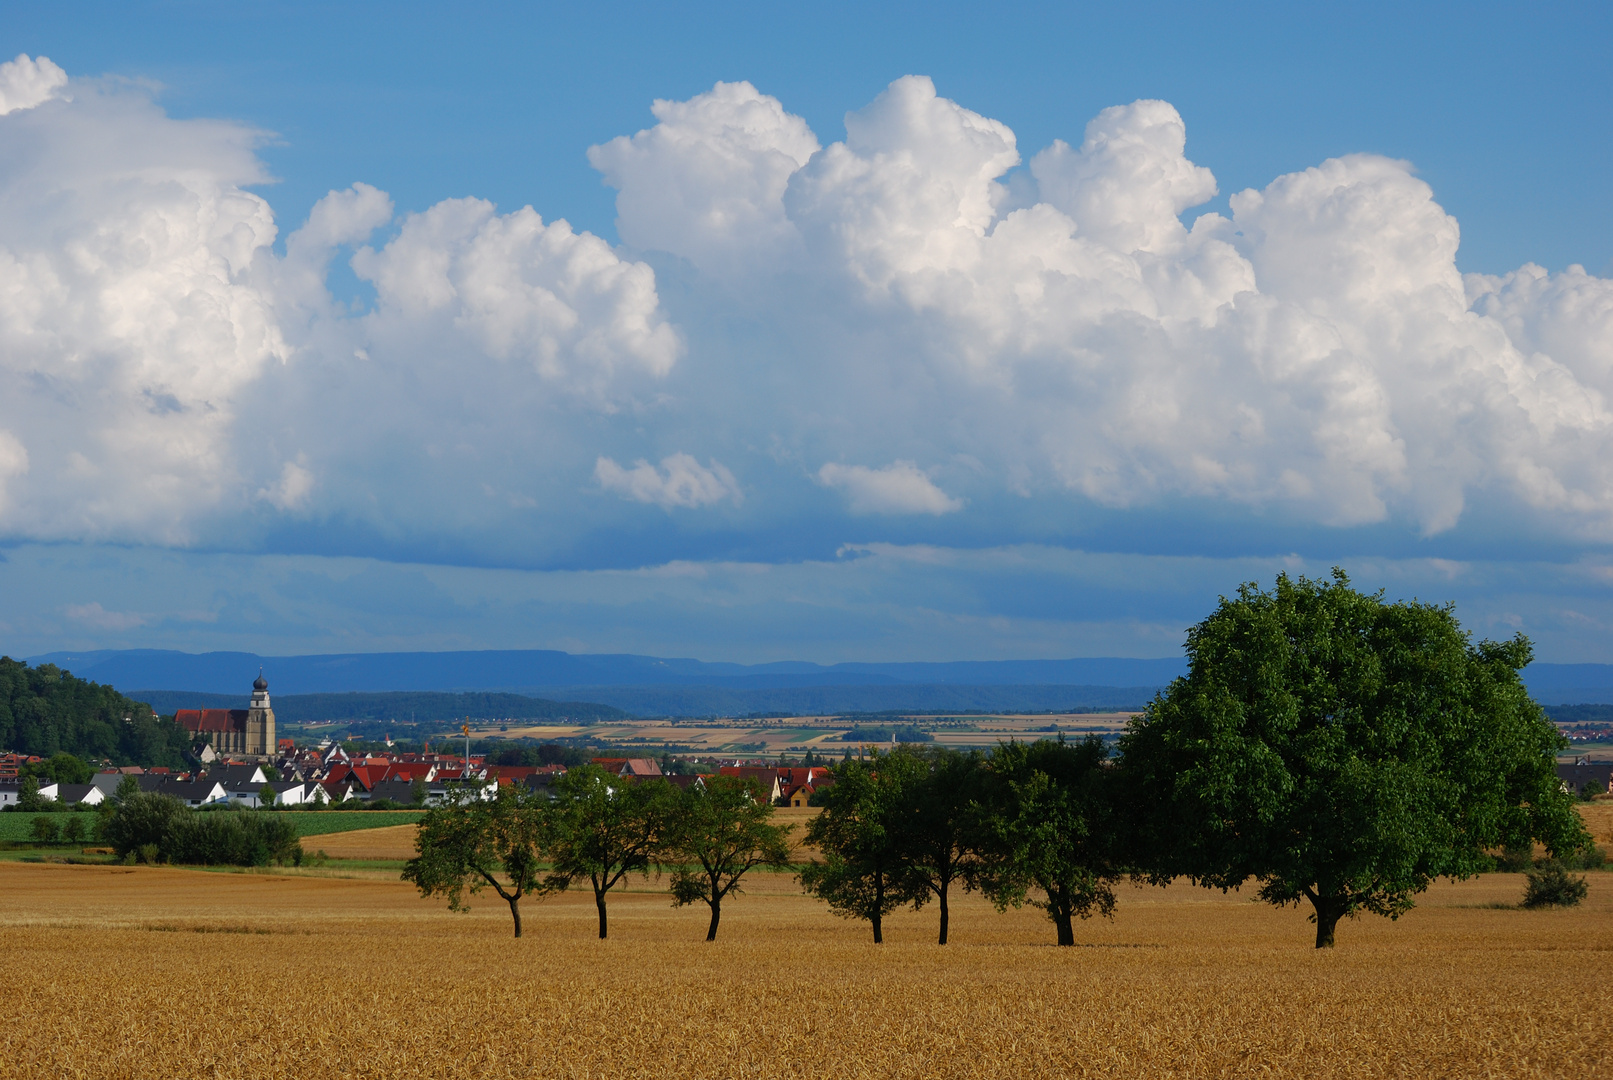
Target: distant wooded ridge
{"points": [[405, 707], [1581, 714], [543, 672], [46, 711]]}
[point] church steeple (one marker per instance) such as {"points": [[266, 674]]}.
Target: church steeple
{"points": [[260, 733]]}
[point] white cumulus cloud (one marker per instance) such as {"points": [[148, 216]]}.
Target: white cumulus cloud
{"points": [[680, 481], [1054, 333], [518, 289], [130, 314], [26, 82], [707, 182], [899, 488]]}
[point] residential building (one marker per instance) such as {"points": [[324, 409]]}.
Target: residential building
{"points": [[1584, 771]]}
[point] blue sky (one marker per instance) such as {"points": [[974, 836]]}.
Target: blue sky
{"points": [[1032, 355]]}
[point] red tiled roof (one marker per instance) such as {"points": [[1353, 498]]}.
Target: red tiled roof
{"points": [[766, 776], [199, 720], [367, 776]]}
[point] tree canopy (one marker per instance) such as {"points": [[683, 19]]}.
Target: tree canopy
{"points": [[600, 828], [715, 834], [1052, 833], [1343, 751], [473, 843], [938, 824], [864, 872]]}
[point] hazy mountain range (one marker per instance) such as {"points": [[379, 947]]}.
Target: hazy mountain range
{"points": [[679, 686]]}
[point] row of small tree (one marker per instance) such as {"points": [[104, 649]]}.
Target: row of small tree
{"points": [[1333, 748], [598, 829]]}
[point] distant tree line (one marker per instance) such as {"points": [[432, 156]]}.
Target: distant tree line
{"points": [[1589, 715], [1338, 751], [47, 711]]}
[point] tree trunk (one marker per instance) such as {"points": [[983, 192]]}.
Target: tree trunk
{"points": [[1059, 910], [879, 907], [515, 912], [599, 902], [1329, 910], [716, 914], [943, 896]]}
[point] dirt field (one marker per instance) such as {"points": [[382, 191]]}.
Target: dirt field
{"points": [[822, 734], [158, 972]]}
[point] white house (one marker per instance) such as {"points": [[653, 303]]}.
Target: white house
{"points": [[76, 794], [11, 789], [194, 792]]}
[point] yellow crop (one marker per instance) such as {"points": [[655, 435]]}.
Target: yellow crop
{"points": [[160, 972]]}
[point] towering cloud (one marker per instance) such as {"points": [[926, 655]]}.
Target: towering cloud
{"points": [[131, 314], [1018, 342], [707, 182]]}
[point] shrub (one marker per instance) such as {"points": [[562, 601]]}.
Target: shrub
{"points": [[73, 832], [1551, 886], [142, 819], [231, 838], [45, 830]]}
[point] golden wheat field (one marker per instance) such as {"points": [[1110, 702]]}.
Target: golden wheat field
{"points": [[162, 972]]}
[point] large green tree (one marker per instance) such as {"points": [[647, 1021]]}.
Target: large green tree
{"points": [[1343, 751], [471, 843], [938, 825], [714, 835], [62, 767], [863, 872], [1051, 831], [601, 828]]}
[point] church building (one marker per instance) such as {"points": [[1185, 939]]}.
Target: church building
{"points": [[245, 732]]}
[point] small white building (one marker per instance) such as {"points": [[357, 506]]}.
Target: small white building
{"points": [[80, 794], [11, 790]]}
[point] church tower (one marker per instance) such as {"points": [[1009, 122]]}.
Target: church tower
{"points": [[260, 740]]}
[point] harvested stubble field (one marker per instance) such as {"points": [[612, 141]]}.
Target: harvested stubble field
{"points": [[159, 972]]}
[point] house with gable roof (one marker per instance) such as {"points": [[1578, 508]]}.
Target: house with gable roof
{"points": [[631, 768]]}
